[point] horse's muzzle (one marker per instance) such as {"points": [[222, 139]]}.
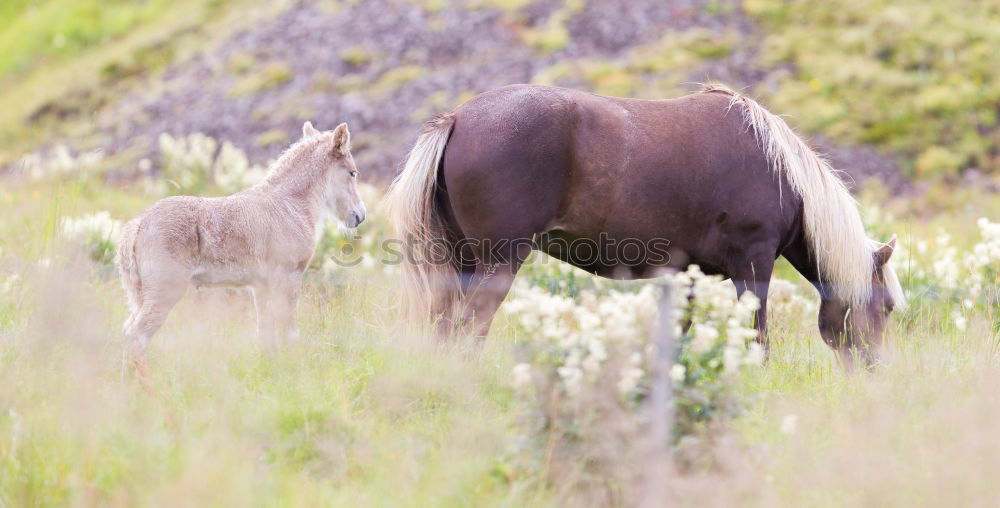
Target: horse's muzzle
{"points": [[354, 219]]}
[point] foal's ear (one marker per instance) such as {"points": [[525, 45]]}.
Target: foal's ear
{"points": [[308, 130], [883, 253], [341, 140]]}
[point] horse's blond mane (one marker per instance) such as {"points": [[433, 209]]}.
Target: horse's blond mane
{"points": [[832, 222], [286, 160]]}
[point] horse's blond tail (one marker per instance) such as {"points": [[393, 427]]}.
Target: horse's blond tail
{"points": [[430, 282], [128, 265], [833, 226]]}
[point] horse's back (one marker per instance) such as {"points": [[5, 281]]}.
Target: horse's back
{"points": [[169, 228], [194, 232], [526, 159], [510, 148]]}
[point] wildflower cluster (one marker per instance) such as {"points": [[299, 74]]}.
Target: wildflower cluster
{"points": [[587, 362], [97, 234], [571, 337], [715, 348], [193, 163], [968, 278], [785, 298], [59, 163], [984, 260]]}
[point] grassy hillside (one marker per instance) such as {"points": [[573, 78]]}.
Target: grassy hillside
{"points": [[887, 88], [62, 61], [915, 77]]}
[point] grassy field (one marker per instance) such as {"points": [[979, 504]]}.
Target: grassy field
{"points": [[363, 412], [366, 411]]}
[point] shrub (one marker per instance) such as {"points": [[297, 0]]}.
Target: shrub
{"points": [[59, 163], [96, 233], [585, 370], [191, 165]]}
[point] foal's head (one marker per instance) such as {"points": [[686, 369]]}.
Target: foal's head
{"points": [[856, 330], [339, 174]]}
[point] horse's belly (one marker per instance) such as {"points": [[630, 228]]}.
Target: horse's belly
{"points": [[219, 276]]}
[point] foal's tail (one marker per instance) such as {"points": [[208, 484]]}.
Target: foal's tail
{"points": [[128, 265], [430, 283]]}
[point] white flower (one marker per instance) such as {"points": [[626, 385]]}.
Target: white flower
{"points": [[704, 338], [522, 375], [677, 373], [99, 225], [572, 378], [959, 320], [789, 424], [367, 262], [732, 359], [596, 355], [630, 380], [8, 284], [755, 354], [59, 162], [232, 170], [97, 233]]}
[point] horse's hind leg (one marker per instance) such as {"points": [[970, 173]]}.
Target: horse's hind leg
{"points": [[159, 296], [488, 286], [487, 289]]}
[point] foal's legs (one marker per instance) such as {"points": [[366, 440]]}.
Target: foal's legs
{"points": [[287, 299], [161, 290], [276, 300]]}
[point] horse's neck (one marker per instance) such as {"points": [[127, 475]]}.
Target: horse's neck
{"points": [[800, 255], [294, 189]]}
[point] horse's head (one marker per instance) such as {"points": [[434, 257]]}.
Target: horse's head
{"points": [[856, 330], [341, 175]]}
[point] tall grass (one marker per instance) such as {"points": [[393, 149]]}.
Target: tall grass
{"points": [[360, 412]]}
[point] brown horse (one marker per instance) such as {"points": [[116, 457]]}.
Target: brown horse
{"points": [[710, 178]]}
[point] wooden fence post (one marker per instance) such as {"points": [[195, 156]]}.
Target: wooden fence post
{"points": [[660, 405]]}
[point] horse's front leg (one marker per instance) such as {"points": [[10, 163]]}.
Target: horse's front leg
{"points": [[289, 290], [263, 296], [754, 275], [276, 300]]}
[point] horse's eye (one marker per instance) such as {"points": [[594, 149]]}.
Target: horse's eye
{"points": [[354, 174]]}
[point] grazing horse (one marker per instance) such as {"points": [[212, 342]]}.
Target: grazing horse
{"points": [[711, 178], [262, 237]]}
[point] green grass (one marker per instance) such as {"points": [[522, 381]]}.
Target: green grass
{"points": [[76, 55], [912, 77], [35, 32], [360, 413]]}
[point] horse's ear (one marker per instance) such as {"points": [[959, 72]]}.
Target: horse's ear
{"points": [[308, 130], [341, 140], [883, 253]]}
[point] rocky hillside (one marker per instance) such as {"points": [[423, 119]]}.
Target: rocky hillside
{"points": [[386, 65]]}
